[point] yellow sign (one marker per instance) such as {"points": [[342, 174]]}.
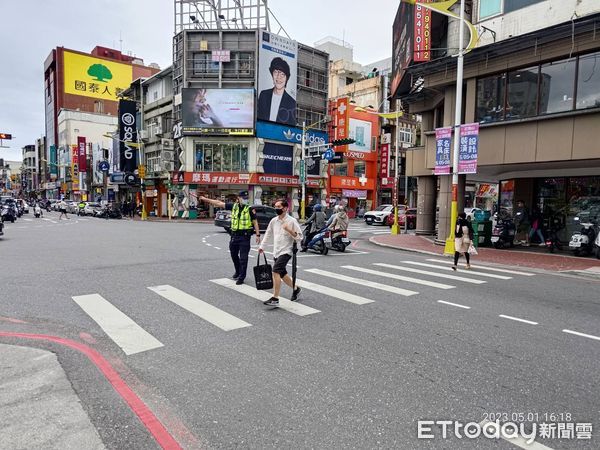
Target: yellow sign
{"points": [[142, 171], [95, 77]]}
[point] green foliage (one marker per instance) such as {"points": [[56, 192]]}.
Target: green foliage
{"points": [[100, 72]]}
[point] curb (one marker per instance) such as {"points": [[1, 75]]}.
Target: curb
{"points": [[405, 249]]}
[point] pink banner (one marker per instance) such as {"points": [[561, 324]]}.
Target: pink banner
{"points": [[384, 167], [443, 138], [469, 143]]}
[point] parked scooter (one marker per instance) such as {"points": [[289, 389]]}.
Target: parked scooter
{"points": [[504, 232], [582, 242], [553, 242], [337, 240]]}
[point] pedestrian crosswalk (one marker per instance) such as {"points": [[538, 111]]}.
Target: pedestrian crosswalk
{"points": [[347, 285]]}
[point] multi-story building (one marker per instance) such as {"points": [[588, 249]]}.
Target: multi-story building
{"points": [[532, 83], [29, 168], [84, 82], [241, 95]]}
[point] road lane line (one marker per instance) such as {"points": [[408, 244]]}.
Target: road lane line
{"points": [[393, 276], [433, 274], [471, 272], [367, 283], [341, 295], [206, 311], [454, 304], [295, 308], [491, 269], [518, 441], [217, 248], [119, 327], [576, 333], [518, 320]]}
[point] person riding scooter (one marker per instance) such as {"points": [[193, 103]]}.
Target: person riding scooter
{"points": [[317, 222]]}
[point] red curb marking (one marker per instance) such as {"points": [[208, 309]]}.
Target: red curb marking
{"points": [[150, 421], [10, 319]]}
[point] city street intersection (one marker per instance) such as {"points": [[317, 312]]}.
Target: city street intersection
{"points": [[380, 339]]}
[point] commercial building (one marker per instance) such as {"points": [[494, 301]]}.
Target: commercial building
{"points": [[29, 168], [87, 83], [532, 84]]}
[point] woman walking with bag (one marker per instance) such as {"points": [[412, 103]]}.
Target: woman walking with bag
{"points": [[463, 236]]}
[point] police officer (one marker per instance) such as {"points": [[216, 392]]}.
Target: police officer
{"points": [[243, 224]]}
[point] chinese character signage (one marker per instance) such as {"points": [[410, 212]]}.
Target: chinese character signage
{"points": [[89, 76], [443, 137], [469, 141], [422, 37], [82, 153], [384, 167], [75, 167], [127, 136], [53, 162], [217, 111], [342, 119], [221, 56]]}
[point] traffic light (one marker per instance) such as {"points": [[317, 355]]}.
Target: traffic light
{"points": [[5, 136], [339, 142]]}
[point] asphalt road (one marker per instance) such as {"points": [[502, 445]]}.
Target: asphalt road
{"points": [[369, 351]]}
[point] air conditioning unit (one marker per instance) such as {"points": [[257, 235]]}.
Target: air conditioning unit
{"points": [[167, 155], [168, 166], [143, 134], [166, 143], [157, 130]]}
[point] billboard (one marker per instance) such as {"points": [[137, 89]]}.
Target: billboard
{"points": [[82, 153], [402, 43], [277, 79], [279, 159], [422, 33], [89, 76], [127, 135], [360, 131], [217, 111], [469, 142], [291, 135], [443, 138]]}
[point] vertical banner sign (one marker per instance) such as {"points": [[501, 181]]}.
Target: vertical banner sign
{"points": [[469, 141], [384, 168], [74, 168], [82, 153], [53, 162], [443, 136], [342, 121], [127, 136], [422, 30]]}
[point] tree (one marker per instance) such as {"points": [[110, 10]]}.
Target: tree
{"points": [[100, 72]]}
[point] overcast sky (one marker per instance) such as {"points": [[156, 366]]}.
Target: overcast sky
{"points": [[32, 28]]}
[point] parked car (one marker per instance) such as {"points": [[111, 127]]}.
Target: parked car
{"points": [[264, 214], [411, 214], [55, 204], [72, 206], [91, 209], [379, 215]]}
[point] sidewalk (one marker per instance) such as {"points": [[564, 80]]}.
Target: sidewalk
{"points": [[511, 257]]}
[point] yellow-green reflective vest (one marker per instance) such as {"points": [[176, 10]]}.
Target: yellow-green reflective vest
{"points": [[240, 220]]}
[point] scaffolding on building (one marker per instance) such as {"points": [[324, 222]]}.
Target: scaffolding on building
{"points": [[225, 15]]}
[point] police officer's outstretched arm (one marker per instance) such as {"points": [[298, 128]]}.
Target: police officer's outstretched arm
{"points": [[217, 203]]}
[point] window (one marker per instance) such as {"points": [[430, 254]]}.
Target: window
{"points": [[488, 8], [406, 135], [521, 100], [557, 83], [360, 168], [202, 64], [513, 5], [340, 169], [490, 98], [221, 157], [588, 82]]}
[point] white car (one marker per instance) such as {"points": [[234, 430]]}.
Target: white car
{"points": [[470, 212], [91, 208], [379, 215]]}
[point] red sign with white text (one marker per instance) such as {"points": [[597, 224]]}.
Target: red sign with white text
{"points": [[344, 182], [342, 120], [240, 178], [384, 166], [422, 36], [82, 153]]}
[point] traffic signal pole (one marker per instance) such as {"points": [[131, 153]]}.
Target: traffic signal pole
{"points": [[303, 168]]}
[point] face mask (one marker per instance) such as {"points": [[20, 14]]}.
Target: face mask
{"points": [[243, 201], [279, 211]]}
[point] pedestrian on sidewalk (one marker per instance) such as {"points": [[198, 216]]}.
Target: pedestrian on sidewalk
{"points": [[522, 222], [286, 234], [62, 207], [463, 236], [536, 226], [243, 224]]}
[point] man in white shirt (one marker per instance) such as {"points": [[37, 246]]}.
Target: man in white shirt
{"points": [[285, 231]]}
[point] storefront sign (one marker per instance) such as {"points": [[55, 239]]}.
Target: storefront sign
{"points": [[384, 167], [240, 178], [342, 120], [221, 56], [82, 153], [467, 155], [352, 193], [127, 136], [74, 167], [422, 36], [344, 182], [443, 137], [292, 135]]}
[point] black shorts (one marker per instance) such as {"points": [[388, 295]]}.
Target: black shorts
{"points": [[281, 263], [63, 211]]}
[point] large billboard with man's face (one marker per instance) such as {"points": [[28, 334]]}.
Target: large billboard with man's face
{"points": [[277, 78], [217, 111]]}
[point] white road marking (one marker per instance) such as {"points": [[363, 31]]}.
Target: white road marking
{"points": [[206, 311], [434, 274], [367, 283], [393, 276], [481, 274], [285, 304], [518, 320], [49, 220], [491, 269], [518, 441], [576, 333], [210, 245], [217, 248], [119, 327], [341, 295], [454, 304], [27, 220]]}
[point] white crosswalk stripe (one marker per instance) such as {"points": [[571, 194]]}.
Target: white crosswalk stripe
{"points": [[295, 308], [341, 295], [471, 272], [372, 284], [491, 269], [119, 327], [433, 274], [206, 311], [394, 276]]}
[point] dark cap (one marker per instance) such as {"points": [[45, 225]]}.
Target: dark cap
{"points": [[243, 194]]}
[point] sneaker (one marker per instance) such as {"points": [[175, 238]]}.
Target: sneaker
{"points": [[295, 294], [273, 301], [454, 268], [239, 281], [468, 266]]}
